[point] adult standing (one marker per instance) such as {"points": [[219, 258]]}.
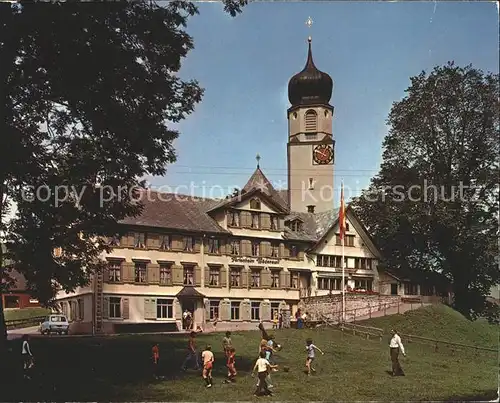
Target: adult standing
{"points": [[395, 346], [298, 318], [280, 320], [192, 353]]}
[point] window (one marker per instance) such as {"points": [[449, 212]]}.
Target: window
{"points": [[411, 289], [81, 309], [235, 310], [295, 225], [165, 273], [363, 263], [255, 278], [11, 301], [330, 261], [294, 280], [347, 226], [114, 272], [255, 220], [114, 241], [255, 204], [115, 307], [140, 272], [338, 241], [214, 276], [349, 240], [325, 283], [255, 248], [235, 277], [188, 243], [363, 284], [275, 309], [139, 240], [294, 251], [275, 279], [164, 308], [310, 209], [255, 311], [235, 247], [234, 219], [275, 248], [189, 275], [311, 121], [274, 223], [214, 309], [165, 242], [311, 183], [213, 246]]}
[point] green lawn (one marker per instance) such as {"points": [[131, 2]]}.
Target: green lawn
{"points": [[26, 313], [353, 368]]}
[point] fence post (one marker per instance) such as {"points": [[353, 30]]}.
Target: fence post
{"points": [[385, 309], [370, 312], [355, 311], [398, 306], [411, 306]]}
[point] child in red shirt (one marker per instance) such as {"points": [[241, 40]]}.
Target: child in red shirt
{"points": [[231, 366], [156, 359]]}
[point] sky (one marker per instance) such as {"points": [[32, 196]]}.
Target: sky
{"points": [[370, 49]]}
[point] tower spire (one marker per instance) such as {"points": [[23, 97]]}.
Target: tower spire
{"points": [[257, 157]]}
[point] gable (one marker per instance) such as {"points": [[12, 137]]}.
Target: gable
{"points": [[250, 204], [362, 240]]}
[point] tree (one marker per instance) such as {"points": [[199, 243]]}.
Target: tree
{"points": [[433, 207], [89, 93]]}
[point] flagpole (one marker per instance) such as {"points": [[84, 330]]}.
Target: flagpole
{"points": [[342, 240]]}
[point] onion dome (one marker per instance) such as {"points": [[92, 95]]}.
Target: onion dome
{"points": [[310, 86]]}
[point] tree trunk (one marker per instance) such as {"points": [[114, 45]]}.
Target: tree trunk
{"points": [[3, 327]]}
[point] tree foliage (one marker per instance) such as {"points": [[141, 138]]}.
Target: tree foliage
{"points": [[89, 93], [433, 207]]}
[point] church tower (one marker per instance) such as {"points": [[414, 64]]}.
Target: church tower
{"points": [[310, 140]]}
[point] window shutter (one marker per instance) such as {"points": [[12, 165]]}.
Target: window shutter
{"points": [[148, 309], [207, 310], [247, 247], [223, 277], [286, 251], [301, 253], [265, 278], [311, 121], [105, 308], [284, 279], [128, 269], [224, 310], [265, 221], [197, 245], [206, 281], [244, 277], [153, 275], [197, 276], [82, 309], [246, 219], [177, 309], [282, 250], [130, 240], [105, 274], [245, 309], [265, 249], [125, 308], [177, 242], [152, 241], [177, 275], [265, 310]]}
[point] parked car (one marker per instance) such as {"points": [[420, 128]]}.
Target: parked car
{"points": [[55, 324]]}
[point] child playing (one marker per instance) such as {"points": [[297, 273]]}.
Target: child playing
{"points": [[227, 344], [310, 347], [262, 366], [156, 359], [231, 367], [27, 356], [208, 361]]}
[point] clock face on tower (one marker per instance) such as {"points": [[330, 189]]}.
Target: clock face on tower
{"points": [[323, 154]]}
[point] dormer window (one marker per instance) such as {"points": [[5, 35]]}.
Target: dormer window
{"points": [[310, 209], [295, 225], [255, 204], [188, 243], [165, 242], [274, 223], [311, 121]]}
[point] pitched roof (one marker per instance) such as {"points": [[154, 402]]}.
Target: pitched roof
{"points": [[259, 181], [175, 211], [15, 280]]}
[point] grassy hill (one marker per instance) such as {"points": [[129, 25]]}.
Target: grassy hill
{"points": [[352, 369], [442, 323]]}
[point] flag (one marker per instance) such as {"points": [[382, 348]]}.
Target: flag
{"points": [[342, 213]]}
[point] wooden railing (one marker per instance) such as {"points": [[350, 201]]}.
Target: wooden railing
{"points": [[26, 322]]}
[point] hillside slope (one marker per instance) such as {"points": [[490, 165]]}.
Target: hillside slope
{"points": [[439, 322]]}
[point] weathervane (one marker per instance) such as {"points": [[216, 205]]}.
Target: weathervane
{"points": [[309, 23], [257, 157]]}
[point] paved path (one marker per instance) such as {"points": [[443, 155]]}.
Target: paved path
{"points": [[18, 333]]}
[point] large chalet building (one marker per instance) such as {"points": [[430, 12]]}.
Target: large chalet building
{"points": [[238, 260]]}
